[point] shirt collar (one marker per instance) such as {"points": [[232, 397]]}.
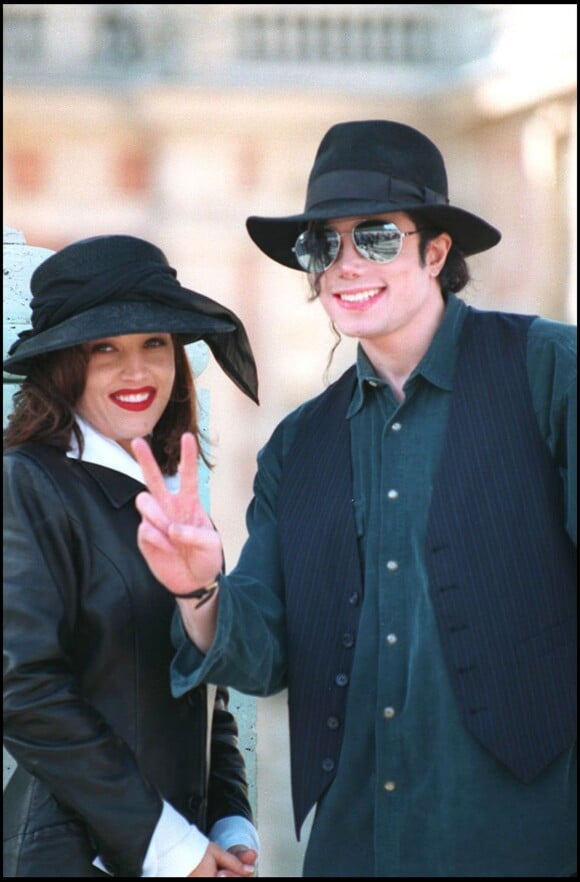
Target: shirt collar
{"points": [[437, 365], [103, 451]]}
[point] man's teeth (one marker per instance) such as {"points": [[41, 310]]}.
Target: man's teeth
{"points": [[134, 399], [361, 297]]}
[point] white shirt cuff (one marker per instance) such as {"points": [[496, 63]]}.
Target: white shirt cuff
{"points": [[177, 846], [175, 849]]}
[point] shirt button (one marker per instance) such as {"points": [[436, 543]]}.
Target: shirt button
{"points": [[396, 427], [389, 713], [327, 765], [391, 639], [393, 494], [392, 566], [390, 786], [341, 679]]}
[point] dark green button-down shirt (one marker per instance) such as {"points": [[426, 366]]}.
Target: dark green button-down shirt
{"points": [[414, 793]]}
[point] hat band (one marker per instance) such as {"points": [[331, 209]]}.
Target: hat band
{"points": [[368, 185]]}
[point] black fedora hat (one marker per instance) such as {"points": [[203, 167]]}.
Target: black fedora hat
{"points": [[107, 286], [374, 167]]}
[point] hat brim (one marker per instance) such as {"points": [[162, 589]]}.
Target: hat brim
{"points": [[113, 320], [276, 236]]}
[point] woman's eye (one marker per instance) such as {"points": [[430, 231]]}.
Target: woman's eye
{"points": [[156, 341], [101, 347]]}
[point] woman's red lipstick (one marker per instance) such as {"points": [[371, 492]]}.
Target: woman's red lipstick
{"points": [[134, 399]]}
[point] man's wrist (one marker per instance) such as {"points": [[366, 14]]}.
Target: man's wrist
{"points": [[201, 594]]}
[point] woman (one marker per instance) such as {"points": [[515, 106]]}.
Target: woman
{"points": [[114, 775]]}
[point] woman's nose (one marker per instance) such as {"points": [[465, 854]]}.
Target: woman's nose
{"points": [[133, 365]]}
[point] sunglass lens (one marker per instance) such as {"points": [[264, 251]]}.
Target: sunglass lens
{"points": [[316, 250], [378, 242]]}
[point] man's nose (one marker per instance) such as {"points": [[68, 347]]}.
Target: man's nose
{"points": [[349, 260]]}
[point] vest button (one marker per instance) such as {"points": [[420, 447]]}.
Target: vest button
{"points": [[341, 679], [333, 722], [327, 765], [354, 599]]}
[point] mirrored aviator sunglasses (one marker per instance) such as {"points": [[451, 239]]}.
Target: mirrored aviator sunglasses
{"points": [[316, 249]]}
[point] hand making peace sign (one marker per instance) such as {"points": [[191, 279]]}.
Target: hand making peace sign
{"points": [[176, 535]]}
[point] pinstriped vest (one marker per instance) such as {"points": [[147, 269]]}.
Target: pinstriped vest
{"points": [[502, 570]]}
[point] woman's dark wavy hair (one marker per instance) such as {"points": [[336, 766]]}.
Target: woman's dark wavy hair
{"points": [[454, 275], [44, 406]]}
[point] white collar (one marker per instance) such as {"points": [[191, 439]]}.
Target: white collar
{"points": [[103, 451]]}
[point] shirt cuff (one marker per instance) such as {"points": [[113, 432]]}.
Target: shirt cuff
{"points": [[175, 849], [235, 830]]}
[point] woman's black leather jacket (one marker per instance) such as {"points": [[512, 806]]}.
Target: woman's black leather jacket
{"points": [[88, 712]]}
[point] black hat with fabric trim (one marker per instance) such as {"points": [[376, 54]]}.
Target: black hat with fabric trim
{"points": [[108, 286]]}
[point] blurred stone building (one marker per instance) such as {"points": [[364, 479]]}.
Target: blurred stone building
{"points": [[176, 122]]}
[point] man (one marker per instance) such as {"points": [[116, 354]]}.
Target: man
{"points": [[409, 573]]}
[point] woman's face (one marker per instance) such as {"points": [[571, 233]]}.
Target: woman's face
{"points": [[128, 385]]}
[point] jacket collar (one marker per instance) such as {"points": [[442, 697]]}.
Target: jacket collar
{"points": [[117, 487], [117, 473], [101, 450]]}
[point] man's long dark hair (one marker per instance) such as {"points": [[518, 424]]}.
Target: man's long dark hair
{"points": [[454, 275]]}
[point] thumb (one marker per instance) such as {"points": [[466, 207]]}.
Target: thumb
{"points": [[245, 854]]}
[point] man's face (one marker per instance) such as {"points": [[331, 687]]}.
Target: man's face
{"points": [[375, 301]]}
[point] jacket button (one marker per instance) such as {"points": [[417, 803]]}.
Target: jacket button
{"points": [[341, 679], [333, 722], [348, 639], [327, 765]]}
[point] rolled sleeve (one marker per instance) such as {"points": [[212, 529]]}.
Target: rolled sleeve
{"points": [[175, 849]]}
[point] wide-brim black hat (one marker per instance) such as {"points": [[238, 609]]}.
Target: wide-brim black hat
{"points": [[108, 286], [374, 167]]}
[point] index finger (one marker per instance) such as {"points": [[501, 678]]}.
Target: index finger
{"points": [[188, 465], [151, 471]]}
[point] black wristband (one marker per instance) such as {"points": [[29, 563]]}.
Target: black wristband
{"points": [[201, 594]]}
